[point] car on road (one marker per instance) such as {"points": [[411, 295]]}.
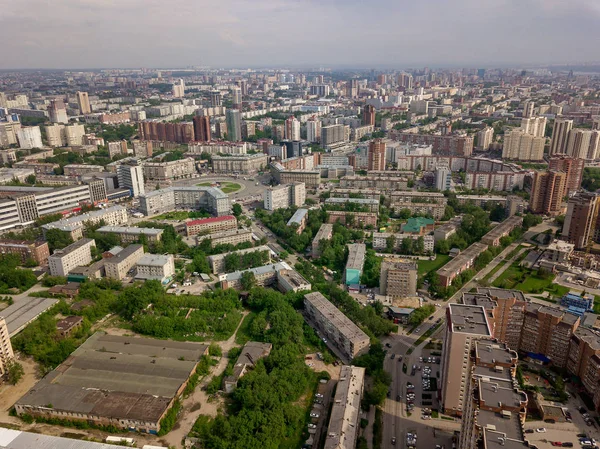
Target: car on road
{"points": [[398, 397], [529, 431], [393, 356], [393, 440], [556, 443], [387, 345], [541, 430], [312, 426], [314, 414]]}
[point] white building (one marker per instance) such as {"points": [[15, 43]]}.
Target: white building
{"points": [[313, 130], [443, 178], [179, 89], [521, 146], [75, 255], [285, 195], [536, 126], [131, 176], [156, 267], [30, 137], [485, 137]]}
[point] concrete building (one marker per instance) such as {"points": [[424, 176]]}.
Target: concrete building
{"points": [[536, 126], [74, 134], [398, 278], [310, 178], [37, 250], [251, 353], [210, 225], [460, 263], [292, 128], [465, 325], [132, 234], [367, 205], [547, 192], [58, 112], [279, 275], [380, 240], [299, 218], [284, 196], [485, 137], [343, 336], [83, 101], [165, 171], [117, 148], [155, 267], [325, 232], [217, 261], [573, 169], [231, 237], [313, 130], [29, 137], [129, 383], [492, 238], [447, 229], [118, 266], [522, 146], [377, 155], [131, 176], [74, 255], [172, 198], [583, 144], [584, 360], [560, 135], [76, 170], [243, 164], [355, 263], [580, 226], [344, 421], [234, 125], [443, 178], [352, 219], [448, 145], [111, 216], [334, 135], [374, 182]]}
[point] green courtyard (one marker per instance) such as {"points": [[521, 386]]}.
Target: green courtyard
{"points": [[426, 266], [529, 281]]}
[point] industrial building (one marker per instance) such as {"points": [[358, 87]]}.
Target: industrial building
{"points": [[126, 382], [342, 336]]}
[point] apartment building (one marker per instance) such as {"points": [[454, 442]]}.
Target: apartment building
{"points": [[210, 225], [368, 205], [460, 263], [344, 421], [74, 255], [171, 198], [584, 360], [166, 171], [380, 240], [111, 216], [447, 229], [372, 194], [547, 192], [118, 266], [572, 167], [374, 182], [131, 176], [493, 237], [217, 261], [132, 234], [244, 164], [355, 263], [37, 250], [280, 275], [299, 218], [155, 267], [231, 237], [398, 278], [522, 146], [6, 351], [218, 147], [40, 168], [580, 226], [343, 336], [81, 169], [311, 178], [285, 195], [501, 181], [325, 232], [448, 145], [464, 326], [352, 219]]}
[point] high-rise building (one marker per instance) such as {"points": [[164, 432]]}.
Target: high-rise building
{"points": [[583, 144], [313, 130], [58, 112], [377, 155], [333, 134], [131, 176], [580, 221], [560, 135], [398, 278], [352, 88], [485, 137], [292, 128], [547, 192], [521, 146], [74, 134], [368, 115], [215, 99], [234, 125], [55, 135], [536, 126], [201, 128], [6, 351], [572, 167], [179, 88], [236, 98], [528, 108], [30, 137], [443, 178], [83, 101]]}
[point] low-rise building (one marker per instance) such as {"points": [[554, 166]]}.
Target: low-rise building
{"points": [[111, 216], [344, 421], [398, 278], [155, 267], [251, 353], [130, 234], [279, 274], [231, 237], [418, 226], [493, 237], [380, 240], [245, 163], [325, 233], [447, 229], [355, 263], [117, 267], [210, 225], [368, 205], [352, 219], [81, 169], [217, 261], [299, 218], [37, 250], [164, 171], [559, 251], [460, 263], [74, 255], [341, 335], [400, 314], [578, 300], [68, 325]]}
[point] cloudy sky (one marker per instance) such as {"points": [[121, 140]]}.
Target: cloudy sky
{"points": [[351, 33]]}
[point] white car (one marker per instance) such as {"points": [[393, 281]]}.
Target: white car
{"points": [[541, 430]]}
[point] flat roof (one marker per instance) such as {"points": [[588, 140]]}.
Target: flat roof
{"points": [[591, 337], [511, 427], [119, 377], [468, 319], [122, 255], [454, 265], [258, 271], [491, 353], [209, 220], [356, 256], [261, 248], [298, 216], [22, 312], [17, 439], [504, 227], [352, 200], [72, 247], [502, 293], [131, 230], [495, 393], [80, 219], [222, 234], [156, 260], [478, 299]]}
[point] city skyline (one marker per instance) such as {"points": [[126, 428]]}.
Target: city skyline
{"points": [[95, 34]]}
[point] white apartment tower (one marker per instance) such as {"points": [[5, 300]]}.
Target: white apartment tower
{"points": [[485, 137], [131, 176], [30, 137], [560, 135], [179, 88]]}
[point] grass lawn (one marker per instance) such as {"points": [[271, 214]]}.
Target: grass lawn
{"points": [[226, 187], [494, 271], [426, 266], [242, 337], [528, 281], [175, 215]]}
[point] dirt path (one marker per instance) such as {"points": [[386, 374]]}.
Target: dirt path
{"points": [[199, 400], [9, 394]]}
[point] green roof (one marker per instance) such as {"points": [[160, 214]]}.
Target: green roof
{"points": [[415, 224]]}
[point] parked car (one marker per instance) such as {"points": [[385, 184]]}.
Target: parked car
{"points": [[541, 430]]}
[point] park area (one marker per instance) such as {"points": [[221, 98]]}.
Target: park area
{"points": [[529, 281], [226, 187]]}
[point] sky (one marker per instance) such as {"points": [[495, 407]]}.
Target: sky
{"points": [[297, 33]]}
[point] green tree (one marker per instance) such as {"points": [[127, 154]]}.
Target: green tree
{"points": [[236, 209], [248, 280], [30, 179], [390, 243], [57, 239], [15, 372]]}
